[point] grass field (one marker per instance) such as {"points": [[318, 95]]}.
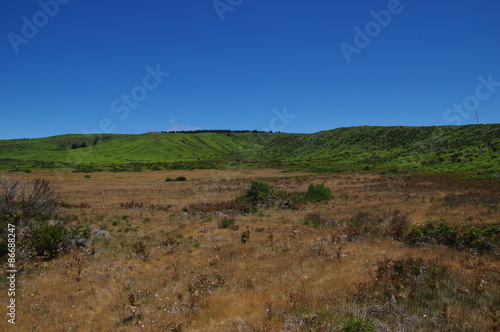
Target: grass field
{"points": [[381, 255]]}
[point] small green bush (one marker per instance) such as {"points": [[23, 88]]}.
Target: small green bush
{"points": [[179, 178], [228, 223], [48, 239], [355, 324], [258, 191], [318, 192], [315, 220], [483, 237]]}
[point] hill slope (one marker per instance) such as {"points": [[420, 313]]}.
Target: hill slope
{"points": [[102, 149], [443, 148], [464, 147]]}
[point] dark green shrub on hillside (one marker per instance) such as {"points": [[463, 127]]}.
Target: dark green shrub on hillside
{"points": [[49, 239], [228, 223], [355, 324], [179, 178], [117, 169], [318, 192], [484, 237], [258, 192], [315, 220]]}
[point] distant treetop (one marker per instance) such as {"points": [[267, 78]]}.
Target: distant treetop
{"points": [[218, 131]]}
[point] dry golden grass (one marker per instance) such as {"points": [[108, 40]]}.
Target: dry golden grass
{"points": [[194, 276]]}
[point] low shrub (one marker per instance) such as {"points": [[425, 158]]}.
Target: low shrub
{"points": [[260, 194], [318, 193], [9, 195], [363, 223], [483, 237], [357, 324], [258, 191], [228, 223], [408, 278], [28, 198], [117, 169], [320, 321], [398, 226], [415, 293], [179, 178], [245, 236], [48, 240], [315, 220], [40, 198], [238, 205]]}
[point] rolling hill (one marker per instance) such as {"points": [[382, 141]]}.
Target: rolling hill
{"points": [[472, 148]]}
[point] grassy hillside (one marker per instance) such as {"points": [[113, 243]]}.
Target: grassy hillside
{"points": [[465, 148], [473, 148], [110, 149]]}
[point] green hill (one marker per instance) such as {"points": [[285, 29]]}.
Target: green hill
{"points": [[103, 149], [472, 148]]}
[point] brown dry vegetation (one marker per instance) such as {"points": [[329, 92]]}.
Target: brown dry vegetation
{"points": [[154, 266]]}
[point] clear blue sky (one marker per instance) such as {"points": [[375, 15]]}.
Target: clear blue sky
{"points": [[84, 66]]}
